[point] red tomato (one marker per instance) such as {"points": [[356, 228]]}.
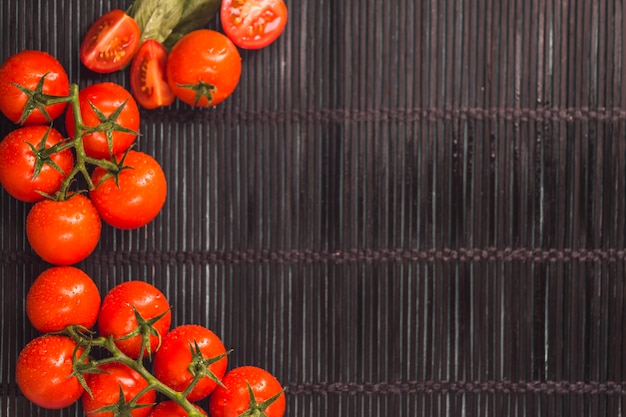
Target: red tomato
{"points": [[111, 42], [137, 197], [27, 68], [63, 232], [105, 388], [18, 162], [234, 399], [117, 315], [171, 409], [171, 362], [147, 76], [203, 68], [44, 371], [253, 24], [61, 296], [107, 97]]}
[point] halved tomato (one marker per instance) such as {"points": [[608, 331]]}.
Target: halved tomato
{"points": [[111, 42], [147, 76], [253, 24]]}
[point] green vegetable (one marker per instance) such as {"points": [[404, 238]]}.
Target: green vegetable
{"points": [[169, 20]]}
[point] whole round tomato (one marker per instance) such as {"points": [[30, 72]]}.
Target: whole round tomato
{"points": [[105, 390], [61, 296], [147, 76], [172, 361], [203, 68], [137, 196], [115, 132], [117, 316], [169, 408], [19, 162], [110, 43], [44, 371], [233, 400], [253, 24], [36, 71], [63, 232]]}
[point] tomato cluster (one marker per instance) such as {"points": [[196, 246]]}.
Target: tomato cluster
{"points": [[151, 370], [202, 68], [38, 164]]}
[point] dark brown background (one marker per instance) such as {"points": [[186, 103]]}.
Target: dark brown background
{"points": [[406, 208]]}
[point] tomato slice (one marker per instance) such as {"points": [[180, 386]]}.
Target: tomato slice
{"points": [[253, 24], [111, 42], [147, 76]]}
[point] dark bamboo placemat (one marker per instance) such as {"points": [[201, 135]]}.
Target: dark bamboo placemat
{"points": [[407, 207]]}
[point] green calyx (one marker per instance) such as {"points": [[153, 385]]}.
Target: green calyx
{"points": [[202, 89], [257, 409], [37, 99]]}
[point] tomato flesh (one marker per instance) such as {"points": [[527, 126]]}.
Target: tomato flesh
{"points": [[253, 24], [147, 76], [111, 42]]}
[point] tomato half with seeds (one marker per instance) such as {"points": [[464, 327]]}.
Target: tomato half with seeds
{"points": [[133, 197], [203, 68], [28, 167], [105, 392], [117, 316], [40, 73], [63, 232], [111, 42], [43, 371], [253, 24], [62, 296], [112, 114], [147, 76]]}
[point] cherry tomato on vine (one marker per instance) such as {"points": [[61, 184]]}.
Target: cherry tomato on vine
{"points": [[61, 296], [169, 408], [147, 76], [44, 371], [105, 389], [233, 400], [38, 72], [63, 232], [253, 24], [117, 316], [171, 363], [116, 120], [23, 154], [111, 42], [203, 68], [137, 196]]}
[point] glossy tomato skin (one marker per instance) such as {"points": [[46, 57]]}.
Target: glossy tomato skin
{"points": [[63, 232], [26, 68], [107, 97], [117, 315], [204, 58], [138, 196], [17, 163], [44, 372], [169, 408], [105, 388], [111, 42], [148, 81], [234, 399], [171, 362], [253, 24], [61, 296]]}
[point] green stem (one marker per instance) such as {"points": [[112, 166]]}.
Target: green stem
{"points": [[118, 356]]}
